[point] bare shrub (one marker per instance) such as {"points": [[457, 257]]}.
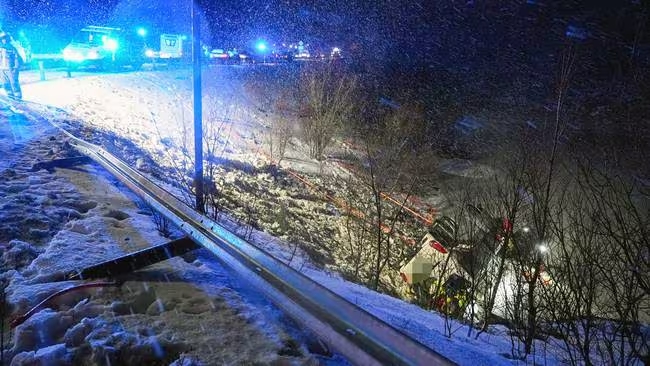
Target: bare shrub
{"points": [[328, 102], [217, 132], [600, 300], [278, 137], [163, 225], [353, 249], [377, 236]]}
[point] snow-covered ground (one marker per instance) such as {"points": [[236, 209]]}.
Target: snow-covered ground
{"points": [[53, 221]]}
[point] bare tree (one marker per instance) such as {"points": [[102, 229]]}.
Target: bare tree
{"points": [[599, 265], [386, 171], [278, 137], [573, 263], [502, 202], [542, 180], [379, 233], [217, 132], [620, 221], [328, 103], [354, 250], [372, 242], [474, 245]]}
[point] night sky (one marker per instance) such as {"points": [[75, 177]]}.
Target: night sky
{"points": [[227, 19], [407, 31]]}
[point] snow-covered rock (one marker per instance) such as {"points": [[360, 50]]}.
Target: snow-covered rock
{"points": [[42, 329], [75, 336], [18, 255], [55, 355]]}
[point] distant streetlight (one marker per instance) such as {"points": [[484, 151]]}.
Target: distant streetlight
{"points": [[261, 48], [542, 248], [142, 32]]}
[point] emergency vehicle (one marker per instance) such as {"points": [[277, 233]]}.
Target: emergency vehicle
{"points": [[173, 49], [171, 46], [104, 48]]}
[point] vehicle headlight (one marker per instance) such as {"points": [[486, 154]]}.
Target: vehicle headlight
{"points": [[93, 55], [111, 44]]}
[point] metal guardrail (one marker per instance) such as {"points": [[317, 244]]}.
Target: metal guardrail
{"points": [[358, 335]]}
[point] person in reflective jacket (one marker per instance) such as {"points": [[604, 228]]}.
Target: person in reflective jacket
{"points": [[10, 63]]}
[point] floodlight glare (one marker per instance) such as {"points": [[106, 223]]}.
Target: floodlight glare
{"points": [[261, 46], [542, 248]]}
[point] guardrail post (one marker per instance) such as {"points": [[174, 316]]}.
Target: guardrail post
{"points": [[41, 70]]}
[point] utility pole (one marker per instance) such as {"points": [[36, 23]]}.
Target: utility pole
{"points": [[198, 107]]}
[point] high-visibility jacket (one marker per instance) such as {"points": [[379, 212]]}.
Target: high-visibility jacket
{"points": [[9, 58]]}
